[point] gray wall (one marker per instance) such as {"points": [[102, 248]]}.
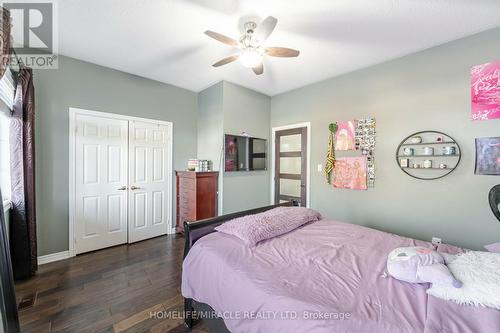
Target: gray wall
{"points": [[246, 111], [84, 85], [210, 124], [227, 108], [429, 90]]}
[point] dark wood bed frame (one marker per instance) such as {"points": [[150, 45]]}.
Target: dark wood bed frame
{"points": [[194, 231]]}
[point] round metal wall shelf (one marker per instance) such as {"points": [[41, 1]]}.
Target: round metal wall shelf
{"points": [[428, 155]]}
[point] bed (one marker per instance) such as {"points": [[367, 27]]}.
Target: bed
{"points": [[326, 276]]}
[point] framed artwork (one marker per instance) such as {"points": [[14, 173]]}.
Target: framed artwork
{"points": [[350, 173], [485, 91], [344, 138], [487, 156], [231, 147], [365, 142]]}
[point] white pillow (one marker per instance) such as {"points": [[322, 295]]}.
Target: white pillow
{"points": [[480, 274]]}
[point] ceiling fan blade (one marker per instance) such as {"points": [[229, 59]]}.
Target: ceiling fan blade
{"points": [[221, 38], [282, 52], [226, 60], [259, 69], [265, 28]]}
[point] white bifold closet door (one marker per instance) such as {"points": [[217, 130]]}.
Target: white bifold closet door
{"points": [[101, 172], [148, 199], [121, 181]]}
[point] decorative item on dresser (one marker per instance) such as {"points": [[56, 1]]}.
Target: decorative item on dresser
{"points": [[196, 196]]}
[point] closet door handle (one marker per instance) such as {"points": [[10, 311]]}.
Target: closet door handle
{"points": [[134, 187], [123, 188]]}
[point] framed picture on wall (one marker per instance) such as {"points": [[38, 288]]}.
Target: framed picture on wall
{"points": [[344, 138], [485, 91], [350, 173], [487, 156]]}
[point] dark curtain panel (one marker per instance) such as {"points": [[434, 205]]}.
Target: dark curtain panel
{"points": [[22, 165], [4, 40], [8, 306]]}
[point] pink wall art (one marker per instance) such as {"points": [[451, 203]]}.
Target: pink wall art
{"points": [[350, 173], [231, 160], [344, 138], [485, 91]]}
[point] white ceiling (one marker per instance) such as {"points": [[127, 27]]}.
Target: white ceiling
{"points": [[163, 39]]}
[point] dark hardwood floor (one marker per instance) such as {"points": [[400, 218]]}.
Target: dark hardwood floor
{"points": [[112, 290]]}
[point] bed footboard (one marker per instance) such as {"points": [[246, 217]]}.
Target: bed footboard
{"points": [[195, 230]]}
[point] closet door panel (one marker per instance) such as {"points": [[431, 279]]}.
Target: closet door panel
{"points": [[149, 183], [140, 209], [101, 169]]}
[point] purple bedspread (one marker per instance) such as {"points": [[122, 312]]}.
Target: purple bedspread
{"points": [[323, 277]]}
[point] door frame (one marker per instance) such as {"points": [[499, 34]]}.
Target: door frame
{"points": [[308, 158], [73, 112]]}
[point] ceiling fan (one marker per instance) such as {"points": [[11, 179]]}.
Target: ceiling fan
{"points": [[251, 45]]}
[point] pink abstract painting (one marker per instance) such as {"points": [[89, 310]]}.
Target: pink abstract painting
{"points": [[485, 91], [344, 138], [350, 173]]}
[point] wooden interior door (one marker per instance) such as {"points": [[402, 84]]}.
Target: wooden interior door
{"points": [[101, 172], [149, 179], [290, 180]]}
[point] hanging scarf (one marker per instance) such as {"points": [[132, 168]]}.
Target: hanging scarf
{"points": [[330, 154]]}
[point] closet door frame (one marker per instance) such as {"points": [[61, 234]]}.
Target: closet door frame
{"points": [[73, 112]]}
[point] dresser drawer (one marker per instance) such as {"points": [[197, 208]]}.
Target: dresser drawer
{"points": [[186, 214], [186, 193], [187, 204], [187, 183]]}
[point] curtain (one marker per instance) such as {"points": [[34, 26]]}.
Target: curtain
{"points": [[8, 306], [22, 165], [4, 40]]}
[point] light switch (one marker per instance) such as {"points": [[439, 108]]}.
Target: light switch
{"points": [[320, 167]]}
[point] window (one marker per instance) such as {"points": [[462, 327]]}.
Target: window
{"points": [[6, 101]]}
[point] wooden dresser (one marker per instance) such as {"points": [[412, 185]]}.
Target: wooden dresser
{"points": [[196, 196]]}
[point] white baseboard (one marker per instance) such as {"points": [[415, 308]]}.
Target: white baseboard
{"points": [[53, 257], [66, 254]]}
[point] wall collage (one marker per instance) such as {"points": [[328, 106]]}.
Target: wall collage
{"points": [[485, 97], [485, 100], [351, 172], [356, 171]]}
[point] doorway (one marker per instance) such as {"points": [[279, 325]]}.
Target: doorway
{"points": [[120, 179], [290, 169]]}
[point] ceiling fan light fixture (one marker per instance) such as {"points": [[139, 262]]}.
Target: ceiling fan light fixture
{"points": [[251, 57], [251, 45]]}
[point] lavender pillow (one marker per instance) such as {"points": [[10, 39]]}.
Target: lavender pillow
{"points": [[252, 229], [495, 247]]}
